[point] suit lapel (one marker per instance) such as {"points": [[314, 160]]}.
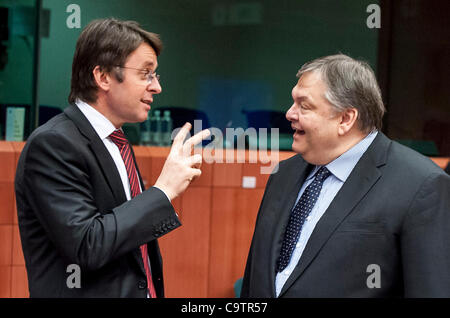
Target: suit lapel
{"points": [[105, 162], [282, 210], [362, 178]]}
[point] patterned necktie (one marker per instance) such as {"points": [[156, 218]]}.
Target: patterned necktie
{"points": [[121, 142], [298, 216]]}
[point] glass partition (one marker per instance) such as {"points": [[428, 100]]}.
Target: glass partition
{"points": [[230, 64], [17, 68]]}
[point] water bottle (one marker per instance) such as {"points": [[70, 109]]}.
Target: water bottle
{"points": [[166, 129], [155, 128], [145, 132]]}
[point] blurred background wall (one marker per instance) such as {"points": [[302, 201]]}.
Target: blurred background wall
{"points": [[220, 56], [228, 56]]}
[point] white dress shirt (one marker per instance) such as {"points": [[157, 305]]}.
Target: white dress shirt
{"points": [[103, 127]]}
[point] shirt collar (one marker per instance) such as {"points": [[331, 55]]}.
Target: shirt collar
{"points": [[342, 166], [102, 126]]}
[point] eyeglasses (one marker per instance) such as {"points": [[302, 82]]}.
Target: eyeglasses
{"points": [[147, 74]]}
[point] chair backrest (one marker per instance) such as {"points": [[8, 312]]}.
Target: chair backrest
{"points": [[181, 115], [47, 112], [268, 119]]}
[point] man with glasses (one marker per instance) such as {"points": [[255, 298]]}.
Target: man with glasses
{"points": [[80, 199]]}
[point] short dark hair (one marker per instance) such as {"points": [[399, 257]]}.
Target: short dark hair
{"points": [[106, 43]]}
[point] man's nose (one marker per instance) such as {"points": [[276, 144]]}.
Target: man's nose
{"points": [[291, 115], [155, 86]]}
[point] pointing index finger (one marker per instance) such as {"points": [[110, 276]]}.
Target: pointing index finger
{"points": [[194, 140], [180, 137]]}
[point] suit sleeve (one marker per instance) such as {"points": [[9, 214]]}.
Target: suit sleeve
{"points": [[56, 184], [425, 240]]}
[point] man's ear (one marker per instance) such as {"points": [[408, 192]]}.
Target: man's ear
{"points": [[102, 78], [348, 119]]}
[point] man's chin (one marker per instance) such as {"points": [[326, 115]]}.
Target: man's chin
{"points": [[297, 148], [307, 156], [142, 118]]}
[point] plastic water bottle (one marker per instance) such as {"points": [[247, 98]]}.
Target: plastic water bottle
{"points": [[166, 129], [145, 132], [155, 128]]}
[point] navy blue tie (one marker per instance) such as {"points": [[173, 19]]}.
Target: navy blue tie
{"points": [[298, 216]]}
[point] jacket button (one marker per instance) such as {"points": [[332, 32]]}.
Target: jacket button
{"points": [[142, 284]]}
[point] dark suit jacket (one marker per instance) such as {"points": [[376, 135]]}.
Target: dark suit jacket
{"points": [[72, 209], [393, 211]]}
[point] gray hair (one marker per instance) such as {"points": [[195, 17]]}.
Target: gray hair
{"points": [[351, 84]]}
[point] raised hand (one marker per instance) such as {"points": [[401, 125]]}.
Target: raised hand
{"points": [[181, 167]]}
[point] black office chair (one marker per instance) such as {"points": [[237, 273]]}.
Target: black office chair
{"points": [[181, 115], [268, 119], [45, 114]]}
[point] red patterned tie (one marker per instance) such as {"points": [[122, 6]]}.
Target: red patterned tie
{"points": [[125, 151]]}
